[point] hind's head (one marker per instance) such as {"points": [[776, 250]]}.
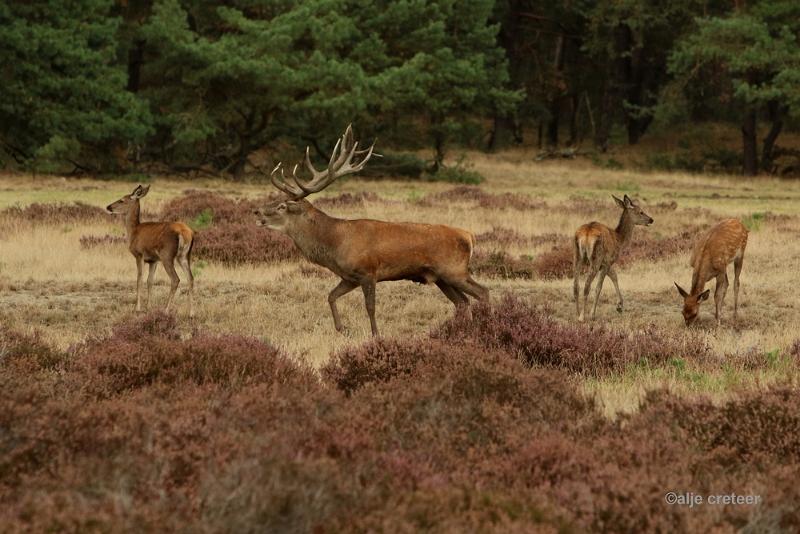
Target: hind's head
{"points": [[691, 304], [124, 205], [632, 208]]}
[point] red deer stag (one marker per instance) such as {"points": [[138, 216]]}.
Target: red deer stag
{"points": [[712, 252], [364, 252], [598, 246], [151, 242]]}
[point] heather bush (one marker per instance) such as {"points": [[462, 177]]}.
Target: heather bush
{"points": [[222, 209], [150, 429], [56, 213], [149, 351], [500, 264], [229, 234], [92, 241], [522, 330], [467, 193], [347, 200], [243, 243]]}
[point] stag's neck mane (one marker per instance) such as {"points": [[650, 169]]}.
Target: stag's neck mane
{"points": [[316, 236]]}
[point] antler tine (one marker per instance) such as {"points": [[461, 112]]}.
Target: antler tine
{"points": [[282, 184], [339, 164]]}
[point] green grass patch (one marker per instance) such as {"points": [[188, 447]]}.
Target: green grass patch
{"points": [[753, 221], [203, 220]]}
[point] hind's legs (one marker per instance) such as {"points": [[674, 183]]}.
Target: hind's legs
{"points": [[576, 266], [613, 275], [589, 279], [187, 269], [597, 290], [151, 276], [737, 270]]}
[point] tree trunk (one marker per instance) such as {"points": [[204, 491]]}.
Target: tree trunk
{"points": [[749, 143], [574, 108], [135, 61], [557, 89], [776, 116]]}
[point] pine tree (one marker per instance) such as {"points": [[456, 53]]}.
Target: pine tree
{"points": [[63, 94]]}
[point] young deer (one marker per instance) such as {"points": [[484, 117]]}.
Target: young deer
{"points": [[363, 252], [712, 252], [151, 242], [598, 246]]}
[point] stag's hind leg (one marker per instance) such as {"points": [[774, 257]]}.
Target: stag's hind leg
{"points": [[368, 287], [344, 287], [470, 287], [458, 298]]}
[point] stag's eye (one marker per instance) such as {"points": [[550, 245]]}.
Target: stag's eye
{"points": [[282, 207]]}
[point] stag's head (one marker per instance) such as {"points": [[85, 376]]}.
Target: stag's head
{"points": [[634, 210], [123, 205], [691, 304], [282, 214]]}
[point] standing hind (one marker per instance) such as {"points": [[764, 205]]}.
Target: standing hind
{"points": [[598, 246], [153, 242]]}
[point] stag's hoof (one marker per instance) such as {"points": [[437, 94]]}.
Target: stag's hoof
{"points": [[619, 308]]}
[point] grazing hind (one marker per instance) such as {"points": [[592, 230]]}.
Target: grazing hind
{"points": [[713, 251], [151, 242], [598, 246]]}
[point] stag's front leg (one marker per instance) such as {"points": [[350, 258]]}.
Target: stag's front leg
{"points": [[343, 288], [139, 271], [368, 287]]}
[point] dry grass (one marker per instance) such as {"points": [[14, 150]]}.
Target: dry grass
{"points": [[47, 280]]}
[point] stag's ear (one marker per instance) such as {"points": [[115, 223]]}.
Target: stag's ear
{"points": [[628, 201], [620, 203], [704, 295], [683, 293], [293, 206]]}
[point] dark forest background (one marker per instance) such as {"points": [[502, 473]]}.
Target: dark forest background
{"points": [[99, 86]]}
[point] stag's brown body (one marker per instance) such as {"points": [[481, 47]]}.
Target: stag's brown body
{"points": [[713, 251], [598, 247], [364, 252], [153, 242]]}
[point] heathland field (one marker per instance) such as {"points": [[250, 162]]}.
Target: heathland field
{"points": [[67, 297]]}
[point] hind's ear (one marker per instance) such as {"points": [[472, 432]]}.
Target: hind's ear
{"points": [[140, 191], [683, 292], [619, 202]]}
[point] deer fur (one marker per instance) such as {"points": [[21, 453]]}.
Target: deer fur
{"points": [[153, 242], [598, 247], [724, 243]]}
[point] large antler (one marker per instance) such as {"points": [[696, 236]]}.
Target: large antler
{"points": [[341, 163]]}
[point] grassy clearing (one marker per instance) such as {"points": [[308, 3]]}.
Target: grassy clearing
{"points": [[47, 280]]}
